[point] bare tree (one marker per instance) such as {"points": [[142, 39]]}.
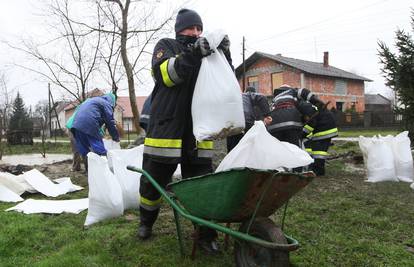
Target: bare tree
{"points": [[146, 31], [70, 57], [6, 102]]}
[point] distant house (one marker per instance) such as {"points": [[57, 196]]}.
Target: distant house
{"points": [[127, 116], [344, 90], [377, 102]]}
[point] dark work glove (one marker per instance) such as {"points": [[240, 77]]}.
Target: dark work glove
{"points": [[320, 105], [225, 44], [201, 48]]}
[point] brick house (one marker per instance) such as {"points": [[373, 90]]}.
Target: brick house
{"points": [[266, 72], [127, 117]]}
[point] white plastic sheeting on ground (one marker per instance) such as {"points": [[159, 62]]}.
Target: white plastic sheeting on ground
{"points": [[45, 186], [387, 158], [258, 149], [216, 90], [105, 193], [51, 206], [12, 183], [128, 180], [7, 195]]}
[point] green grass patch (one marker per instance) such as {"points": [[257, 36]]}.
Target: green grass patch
{"points": [[366, 132], [339, 220], [51, 147]]}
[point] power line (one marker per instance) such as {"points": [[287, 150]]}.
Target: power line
{"points": [[319, 22]]}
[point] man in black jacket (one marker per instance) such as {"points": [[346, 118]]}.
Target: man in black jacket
{"points": [[286, 117], [170, 140]]}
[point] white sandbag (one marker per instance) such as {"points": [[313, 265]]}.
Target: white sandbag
{"points": [[379, 159], [217, 105], [110, 144], [43, 184], [105, 193], [128, 180], [412, 186], [260, 150], [27, 187], [11, 182], [403, 158], [31, 206], [7, 195]]}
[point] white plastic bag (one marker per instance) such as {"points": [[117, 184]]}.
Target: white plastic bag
{"points": [[403, 158], [258, 149], [379, 159], [7, 195], [105, 194], [110, 144], [128, 180], [217, 105]]}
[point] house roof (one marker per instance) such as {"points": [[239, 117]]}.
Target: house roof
{"points": [[310, 67], [378, 99], [124, 102]]}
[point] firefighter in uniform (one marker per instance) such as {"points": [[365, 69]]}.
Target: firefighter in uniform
{"points": [[170, 140], [287, 122], [319, 130]]}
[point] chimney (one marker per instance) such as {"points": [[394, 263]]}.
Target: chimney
{"points": [[325, 59]]}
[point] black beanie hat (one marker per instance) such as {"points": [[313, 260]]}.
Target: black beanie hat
{"points": [[187, 18]]}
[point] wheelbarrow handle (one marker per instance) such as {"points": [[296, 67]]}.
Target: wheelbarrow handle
{"points": [[285, 247]]}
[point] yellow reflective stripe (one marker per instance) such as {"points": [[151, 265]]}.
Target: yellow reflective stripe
{"points": [[205, 144], [166, 143], [309, 150], [164, 73], [148, 202], [333, 130], [309, 128], [322, 153]]}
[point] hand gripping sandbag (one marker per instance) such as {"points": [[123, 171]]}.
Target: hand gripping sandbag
{"points": [[217, 105], [105, 194], [129, 181], [258, 149]]}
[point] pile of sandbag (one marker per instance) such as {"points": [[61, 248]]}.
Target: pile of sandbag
{"points": [[388, 158]]}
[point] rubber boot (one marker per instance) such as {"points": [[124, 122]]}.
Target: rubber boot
{"points": [[147, 220], [319, 167]]}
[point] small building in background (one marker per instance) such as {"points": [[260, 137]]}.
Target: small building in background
{"points": [[377, 102], [344, 90]]}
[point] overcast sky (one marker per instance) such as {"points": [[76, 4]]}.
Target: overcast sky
{"points": [[348, 30]]}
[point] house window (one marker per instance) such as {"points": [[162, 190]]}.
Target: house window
{"points": [[277, 80], [340, 106], [340, 87], [253, 81]]}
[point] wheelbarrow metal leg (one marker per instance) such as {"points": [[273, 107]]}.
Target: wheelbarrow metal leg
{"points": [[179, 233], [226, 238], [195, 240]]}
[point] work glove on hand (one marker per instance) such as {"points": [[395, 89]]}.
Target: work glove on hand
{"points": [[320, 105], [201, 48], [225, 44]]}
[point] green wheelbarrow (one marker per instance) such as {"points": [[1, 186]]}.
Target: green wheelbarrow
{"points": [[242, 195]]}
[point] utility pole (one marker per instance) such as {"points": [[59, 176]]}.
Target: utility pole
{"points": [[244, 67]]}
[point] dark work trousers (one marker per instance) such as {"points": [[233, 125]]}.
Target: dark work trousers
{"points": [[292, 136], [319, 154], [162, 173]]}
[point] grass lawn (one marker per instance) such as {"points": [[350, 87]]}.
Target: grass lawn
{"points": [[366, 132], [339, 220]]}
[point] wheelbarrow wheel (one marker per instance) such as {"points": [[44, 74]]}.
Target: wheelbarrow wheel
{"points": [[248, 254]]}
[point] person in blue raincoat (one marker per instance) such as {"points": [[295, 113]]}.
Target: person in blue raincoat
{"points": [[87, 121]]}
